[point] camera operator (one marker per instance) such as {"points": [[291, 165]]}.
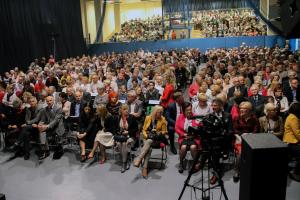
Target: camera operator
{"points": [[187, 141], [154, 130], [225, 117], [224, 133]]}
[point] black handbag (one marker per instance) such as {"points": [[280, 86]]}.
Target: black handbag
{"points": [[120, 138]]}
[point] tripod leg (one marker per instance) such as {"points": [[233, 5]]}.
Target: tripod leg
{"points": [[186, 182], [213, 159]]}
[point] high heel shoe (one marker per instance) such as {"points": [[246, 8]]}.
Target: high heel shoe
{"points": [[145, 173], [91, 156], [123, 168], [137, 162], [102, 161], [83, 158], [127, 165]]}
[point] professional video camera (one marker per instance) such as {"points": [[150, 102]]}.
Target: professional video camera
{"points": [[211, 126], [213, 137]]}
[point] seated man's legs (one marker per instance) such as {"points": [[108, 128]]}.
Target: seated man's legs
{"points": [[24, 138], [44, 143]]}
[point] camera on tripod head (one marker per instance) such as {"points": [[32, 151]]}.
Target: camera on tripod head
{"points": [[211, 125], [211, 132]]}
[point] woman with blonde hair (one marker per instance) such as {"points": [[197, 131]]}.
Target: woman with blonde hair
{"points": [[274, 84], [201, 107], [215, 90], [154, 131], [271, 122], [245, 123], [85, 85], [167, 96], [26, 97], [103, 124]]}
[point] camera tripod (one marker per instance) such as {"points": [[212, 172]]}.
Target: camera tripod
{"points": [[212, 157]]}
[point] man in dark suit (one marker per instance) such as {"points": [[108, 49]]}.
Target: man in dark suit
{"points": [[49, 122], [257, 101], [135, 108], [290, 90], [78, 105], [173, 111], [152, 92], [237, 87], [227, 136], [31, 113]]}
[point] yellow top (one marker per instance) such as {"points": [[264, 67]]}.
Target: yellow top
{"points": [[161, 126], [292, 129]]}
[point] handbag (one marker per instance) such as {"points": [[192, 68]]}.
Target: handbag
{"points": [[120, 138]]}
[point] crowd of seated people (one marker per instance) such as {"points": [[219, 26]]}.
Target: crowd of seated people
{"points": [[139, 30], [120, 100], [225, 23]]}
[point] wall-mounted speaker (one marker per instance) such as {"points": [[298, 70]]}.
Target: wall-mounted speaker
{"points": [[290, 17]]}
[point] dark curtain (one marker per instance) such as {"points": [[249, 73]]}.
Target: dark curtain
{"points": [[255, 3], [29, 26], [170, 6]]}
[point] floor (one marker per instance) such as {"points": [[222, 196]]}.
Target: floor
{"points": [[67, 179]]}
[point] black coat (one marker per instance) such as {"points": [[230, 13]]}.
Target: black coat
{"points": [[257, 105], [73, 106], [171, 116], [287, 91], [132, 126], [95, 125], [231, 90], [152, 95]]}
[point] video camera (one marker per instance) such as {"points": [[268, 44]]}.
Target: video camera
{"points": [[211, 132], [211, 126]]}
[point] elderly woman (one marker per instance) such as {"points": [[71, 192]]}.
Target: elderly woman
{"points": [[102, 96], [245, 123], [154, 130], [186, 140], [292, 136], [202, 107], [125, 136], [103, 124], [215, 90], [271, 122]]}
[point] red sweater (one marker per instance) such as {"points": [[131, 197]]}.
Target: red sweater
{"points": [[193, 89], [167, 96], [179, 129]]}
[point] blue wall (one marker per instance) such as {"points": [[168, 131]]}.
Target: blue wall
{"points": [[203, 44]]}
